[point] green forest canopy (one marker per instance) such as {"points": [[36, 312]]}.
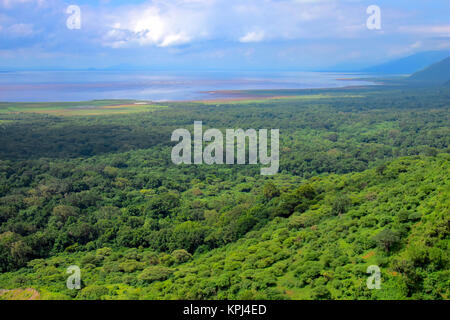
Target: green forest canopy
{"points": [[363, 181]]}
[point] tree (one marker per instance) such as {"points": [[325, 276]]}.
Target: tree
{"points": [[14, 252], [188, 235], [270, 191], [386, 239], [321, 293], [94, 292], [155, 273], [340, 204], [181, 256], [61, 213], [298, 200], [161, 205]]}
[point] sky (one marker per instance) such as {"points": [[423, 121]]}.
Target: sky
{"points": [[217, 34]]}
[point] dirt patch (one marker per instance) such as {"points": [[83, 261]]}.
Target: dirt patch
{"points": [[20, 294], [369, 255]]}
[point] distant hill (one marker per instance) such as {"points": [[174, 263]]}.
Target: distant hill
{"points": [[438, 73], [409, 64]]}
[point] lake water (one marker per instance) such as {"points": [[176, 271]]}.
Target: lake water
{"points": [[53, 86]]}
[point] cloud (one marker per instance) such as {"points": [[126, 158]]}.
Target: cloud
{"points": [[402, 50], [416, 45], [169, 23], [316, 31], [12, 3], [20, 30], [178, 22], [426, 29], [254, 36], [159, 23]]}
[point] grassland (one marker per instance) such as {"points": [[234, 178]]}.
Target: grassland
{"points": [[84, 108], [266, 99], [111, 107]]}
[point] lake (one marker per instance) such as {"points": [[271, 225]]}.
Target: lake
{"points": [[55, 86]]}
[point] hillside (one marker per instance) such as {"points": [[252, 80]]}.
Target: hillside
{"points": [[438, 73], [324, 234], [410, 64]]}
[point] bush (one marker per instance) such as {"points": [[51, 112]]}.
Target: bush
{"points": [[181, 256], [155, 273], [321, 293], [309, 271], [93, 293]]}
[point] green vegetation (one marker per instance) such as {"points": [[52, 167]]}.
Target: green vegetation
{"points": [[88, 108], [364, 180]]}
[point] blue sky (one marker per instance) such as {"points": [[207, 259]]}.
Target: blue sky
{"points": [[218, 34]]}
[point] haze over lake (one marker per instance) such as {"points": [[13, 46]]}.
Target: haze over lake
{"points": [[53, 86]]}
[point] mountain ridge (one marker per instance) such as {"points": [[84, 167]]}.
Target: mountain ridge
{"points": [[409, 64], [437, 73]]}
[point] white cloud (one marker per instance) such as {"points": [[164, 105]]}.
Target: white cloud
{"points": [[20, 30], [11, 3], [401, 50], [416, 45], [254, 36], [160, 23], [426, 29], [174, 22]]}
